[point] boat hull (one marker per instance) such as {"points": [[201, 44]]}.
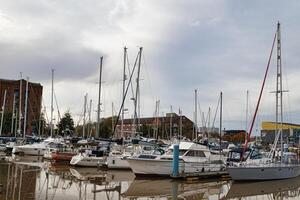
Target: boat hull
{"points": [[117, 162], [269, 172], [164, 167], [62, 156], [28, 151], [86, 161]]}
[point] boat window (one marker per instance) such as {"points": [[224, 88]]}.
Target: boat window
{"points": [[235, 155], [256, 155], [196, 153], [170, 152], [146, 148]]}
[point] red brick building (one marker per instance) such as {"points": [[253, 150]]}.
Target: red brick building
{"points": [[159, 126], [35, 91]]}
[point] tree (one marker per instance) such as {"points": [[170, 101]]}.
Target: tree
{"points": [[66, 125]]}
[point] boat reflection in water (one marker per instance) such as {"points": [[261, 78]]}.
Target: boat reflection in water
{"points": [[171, 189], [17, 181], [278, 189], [31, 178]]}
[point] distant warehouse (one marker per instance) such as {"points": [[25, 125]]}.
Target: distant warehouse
{"points": [[291, 132]]}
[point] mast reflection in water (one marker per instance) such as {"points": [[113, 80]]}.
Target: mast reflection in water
{"points": [[31, 178]]}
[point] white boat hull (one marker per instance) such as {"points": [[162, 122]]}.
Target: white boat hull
{"points": [[86, 161], [164, 167], [267, 172], [117, 162], [28, 151]]}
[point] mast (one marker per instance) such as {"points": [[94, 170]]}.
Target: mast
{"points": [[99, 100], [52, 92], [136, 104], [247, 110], [25, 109], [112, 118], [2, 112], [279, 108], [208, 123], [123, 91], [13, 115], [90, 112], [16, 122], [157, 116], [20, 106], [171, 122], [84, 116], [40, 117], [196, 114], [180, 123], [221, 113]]}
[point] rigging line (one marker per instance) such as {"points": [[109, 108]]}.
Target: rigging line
{"points": [[47, 119], [200, 111], [59, 116], [217, 109], [260, 95], [129, 71], [131, 75]]}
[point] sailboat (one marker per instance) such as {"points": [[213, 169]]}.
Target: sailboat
{"points": [[117, 157], [284, 167]]}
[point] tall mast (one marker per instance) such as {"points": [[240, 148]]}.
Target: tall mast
{"points": [[180, 123], [2, 112], [221, 112], [90, 112], [13, 114], [247, 110], [16, 123], [137, 91], [20, 106], [99, 100], [25, 109], [123, 91], [112, 118], [171, 122], [208, 123], [196, 114], [279, 108], [52, 92], [40, 117], [158, 105], [84, 116]]}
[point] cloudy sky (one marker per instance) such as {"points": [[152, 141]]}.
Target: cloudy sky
{"points": [[207, 45]]}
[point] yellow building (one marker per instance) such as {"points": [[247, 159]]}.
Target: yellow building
{"points": [[290, 131]]}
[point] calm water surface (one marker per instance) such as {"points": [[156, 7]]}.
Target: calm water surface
{"points": [[32, 178]]}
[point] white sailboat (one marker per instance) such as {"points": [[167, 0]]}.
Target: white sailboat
{"points": [[287, 165], [116, 158]]}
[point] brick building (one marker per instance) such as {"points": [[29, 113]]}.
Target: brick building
{"points": [[160, 126], [35, 91]]}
